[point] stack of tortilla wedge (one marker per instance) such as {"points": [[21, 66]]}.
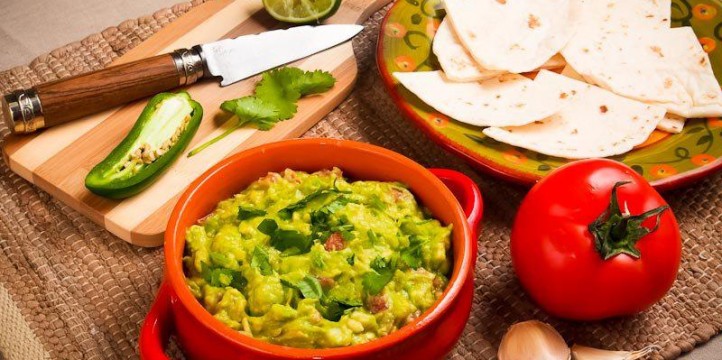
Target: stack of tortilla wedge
{"points": [[622, 72]]}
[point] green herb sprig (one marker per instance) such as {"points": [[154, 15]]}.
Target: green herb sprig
{"points": [[383, 271], [274, 100], [289, 241], [330, 308], [222, 277]]}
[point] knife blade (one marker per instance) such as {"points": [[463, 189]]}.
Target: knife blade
{"points": [[232, 60], [223, 57]]}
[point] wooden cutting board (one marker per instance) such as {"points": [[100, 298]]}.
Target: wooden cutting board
{"points": [[58, 159]]}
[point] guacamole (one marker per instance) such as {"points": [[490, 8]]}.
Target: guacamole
{"points": [[314, 261]]}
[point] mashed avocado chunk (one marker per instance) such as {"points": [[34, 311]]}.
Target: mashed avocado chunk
{"points": [[314, 261]]}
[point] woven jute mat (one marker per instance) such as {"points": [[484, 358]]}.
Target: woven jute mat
{"points": [[81, 293]]}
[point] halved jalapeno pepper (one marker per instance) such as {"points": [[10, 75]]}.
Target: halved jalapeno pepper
{"points": [[163, 130]]}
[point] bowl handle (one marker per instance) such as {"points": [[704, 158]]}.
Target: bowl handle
{"points": [[157, 326], [469, 196]]}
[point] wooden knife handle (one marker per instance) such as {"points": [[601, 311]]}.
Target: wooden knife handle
{"points": [[67, 99], [75, 97]]}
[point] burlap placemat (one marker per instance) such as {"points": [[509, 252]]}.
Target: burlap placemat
{"points": [[84, 293]]}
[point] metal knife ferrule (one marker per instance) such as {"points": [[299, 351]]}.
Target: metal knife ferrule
{"points": [[190, 65], [22, 111]]}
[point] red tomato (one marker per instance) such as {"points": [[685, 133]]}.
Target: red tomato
{"points": [[563, 267]]}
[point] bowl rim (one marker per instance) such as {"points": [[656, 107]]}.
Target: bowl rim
{"points": [[175, 243], [507, 173]]}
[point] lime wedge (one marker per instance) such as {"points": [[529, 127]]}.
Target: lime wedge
{"points": [[301, 11]]}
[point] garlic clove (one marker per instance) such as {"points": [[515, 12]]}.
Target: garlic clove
{"points": [[533, 340], [586, 353]]}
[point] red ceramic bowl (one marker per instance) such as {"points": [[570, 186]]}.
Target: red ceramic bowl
{"points": [[451, 196]]}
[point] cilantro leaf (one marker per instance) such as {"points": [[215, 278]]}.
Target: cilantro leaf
{"points": [[245, 213], [347, 235], [260, 260], [379, 264], [239, 282], [332, 309], [222, 277], [317, 260], [285, 240], [375, 202], [274, 100], [296, 82], [291, 240], [268, 226], [412, 255], [309, 287], [287, 283], [218, 258], [372, 236], [274, 88], [383, 271], [322, 226], [288, 211], [351, 260], [338, 203], [251, 108], [313, 82]]}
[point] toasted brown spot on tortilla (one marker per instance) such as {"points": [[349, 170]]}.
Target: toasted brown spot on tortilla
{"points": [[657, 50], [563, 95], [603, 109], [503, 2], [533, 22], [667, 83]]}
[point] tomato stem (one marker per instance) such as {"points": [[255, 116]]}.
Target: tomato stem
{"points": [[616, 232]]}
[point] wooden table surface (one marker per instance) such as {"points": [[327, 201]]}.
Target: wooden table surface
{"points": [[33, 27]]}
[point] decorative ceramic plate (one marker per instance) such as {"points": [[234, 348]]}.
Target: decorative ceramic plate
{"points": [[667, 161]]}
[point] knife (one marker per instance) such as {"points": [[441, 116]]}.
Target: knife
{"points": [[232, 60]]}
